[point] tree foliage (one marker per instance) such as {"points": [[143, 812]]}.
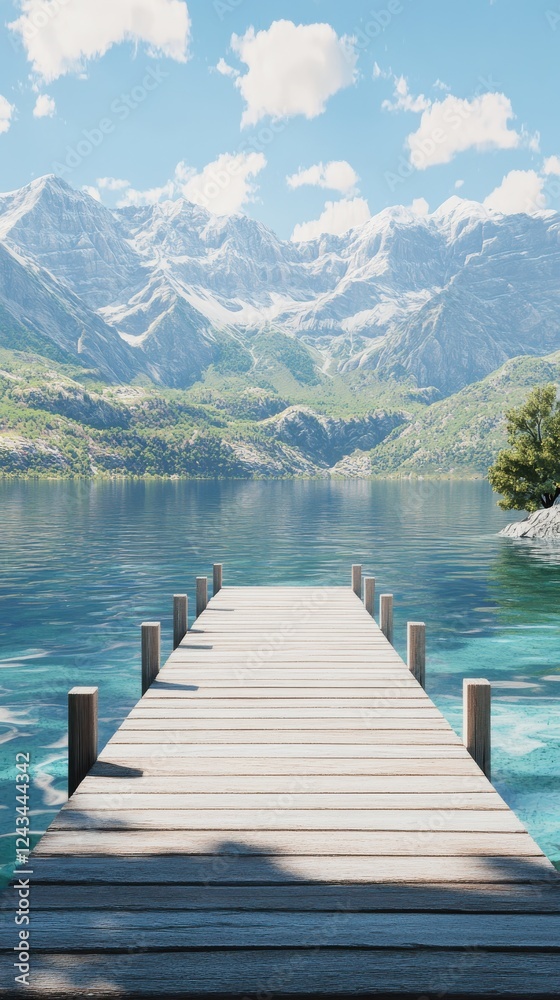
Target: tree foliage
{"points": [[527, 474]]}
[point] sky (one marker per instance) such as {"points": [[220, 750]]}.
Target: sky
{"points": [[309, 116]]}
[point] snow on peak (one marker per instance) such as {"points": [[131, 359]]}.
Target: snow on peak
{"points": [[456, 210]]}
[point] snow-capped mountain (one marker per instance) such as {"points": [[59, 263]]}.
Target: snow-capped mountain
{"points": [[448, 297]]}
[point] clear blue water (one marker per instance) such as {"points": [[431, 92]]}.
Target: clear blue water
{"points": [[82, 564]]}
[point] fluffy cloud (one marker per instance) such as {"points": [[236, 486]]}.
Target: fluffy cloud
{"points": [[45, 107], [454, 125], [520, 191], [337, 218], [152, 196], [59, 37], [223, 187], [403, 99], [292, 69], [551, 165], [225, 69], [112, 183], [337, 175], [6, 114], [420, 207]]}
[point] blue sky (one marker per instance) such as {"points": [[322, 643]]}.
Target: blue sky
{"points": [[362, 105]]}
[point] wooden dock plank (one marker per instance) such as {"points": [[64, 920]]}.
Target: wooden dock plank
{"points": [[321, 972]]}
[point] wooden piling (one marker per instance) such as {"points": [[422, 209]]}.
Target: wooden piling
{"points": [[201, 594], [217, 578], [476, 721], [180, 618], [416, 651], [82, 734], [151, 645], [357, 580], [386, 616], [369, 595]]}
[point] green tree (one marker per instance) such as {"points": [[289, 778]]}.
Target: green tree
{"points": [[527, 474]]}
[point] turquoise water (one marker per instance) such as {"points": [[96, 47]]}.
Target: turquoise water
{"points": [[82, 564]]}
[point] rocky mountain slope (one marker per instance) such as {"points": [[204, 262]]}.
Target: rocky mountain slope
{"points": [[58, 420], [165, 292]]}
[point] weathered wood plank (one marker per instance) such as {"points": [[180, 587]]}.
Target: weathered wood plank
{"points": [[417, 820], [173, 749], [98, 837], [301, 972], [225, 799], [169, 688], [313, 784], [231, 867], [468, 897], [368, 735], [128, 762], [169, 929]]}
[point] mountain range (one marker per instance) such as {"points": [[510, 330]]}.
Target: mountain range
{"points": [[404, 312]]}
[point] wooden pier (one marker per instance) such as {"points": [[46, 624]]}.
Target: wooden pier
{"points": [[286, 813]]}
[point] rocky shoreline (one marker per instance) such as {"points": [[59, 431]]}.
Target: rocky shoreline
{"points": [[540, 524]]}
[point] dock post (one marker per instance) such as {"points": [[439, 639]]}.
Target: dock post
{"points": [[82, 734], [476, 721], [201, 594], [180, 618], [386, 615], [416, 651], [217, 578], [151, 644], [357, 580], [369, 595]]}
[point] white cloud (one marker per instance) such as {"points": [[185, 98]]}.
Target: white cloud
{"points": [[223, 187], [379, 73], [152, 196], [551, 165], [60, 40], [92, 191], [45, 107], [459, 184], [292, 69], [403, 99], [337, 218], [337, 175], [6, 114], [112, 183], [420, 207], [225, 69], [520, 191], [453, 125]]}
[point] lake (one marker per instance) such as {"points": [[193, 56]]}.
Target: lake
{"points": [[83, 563]]}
